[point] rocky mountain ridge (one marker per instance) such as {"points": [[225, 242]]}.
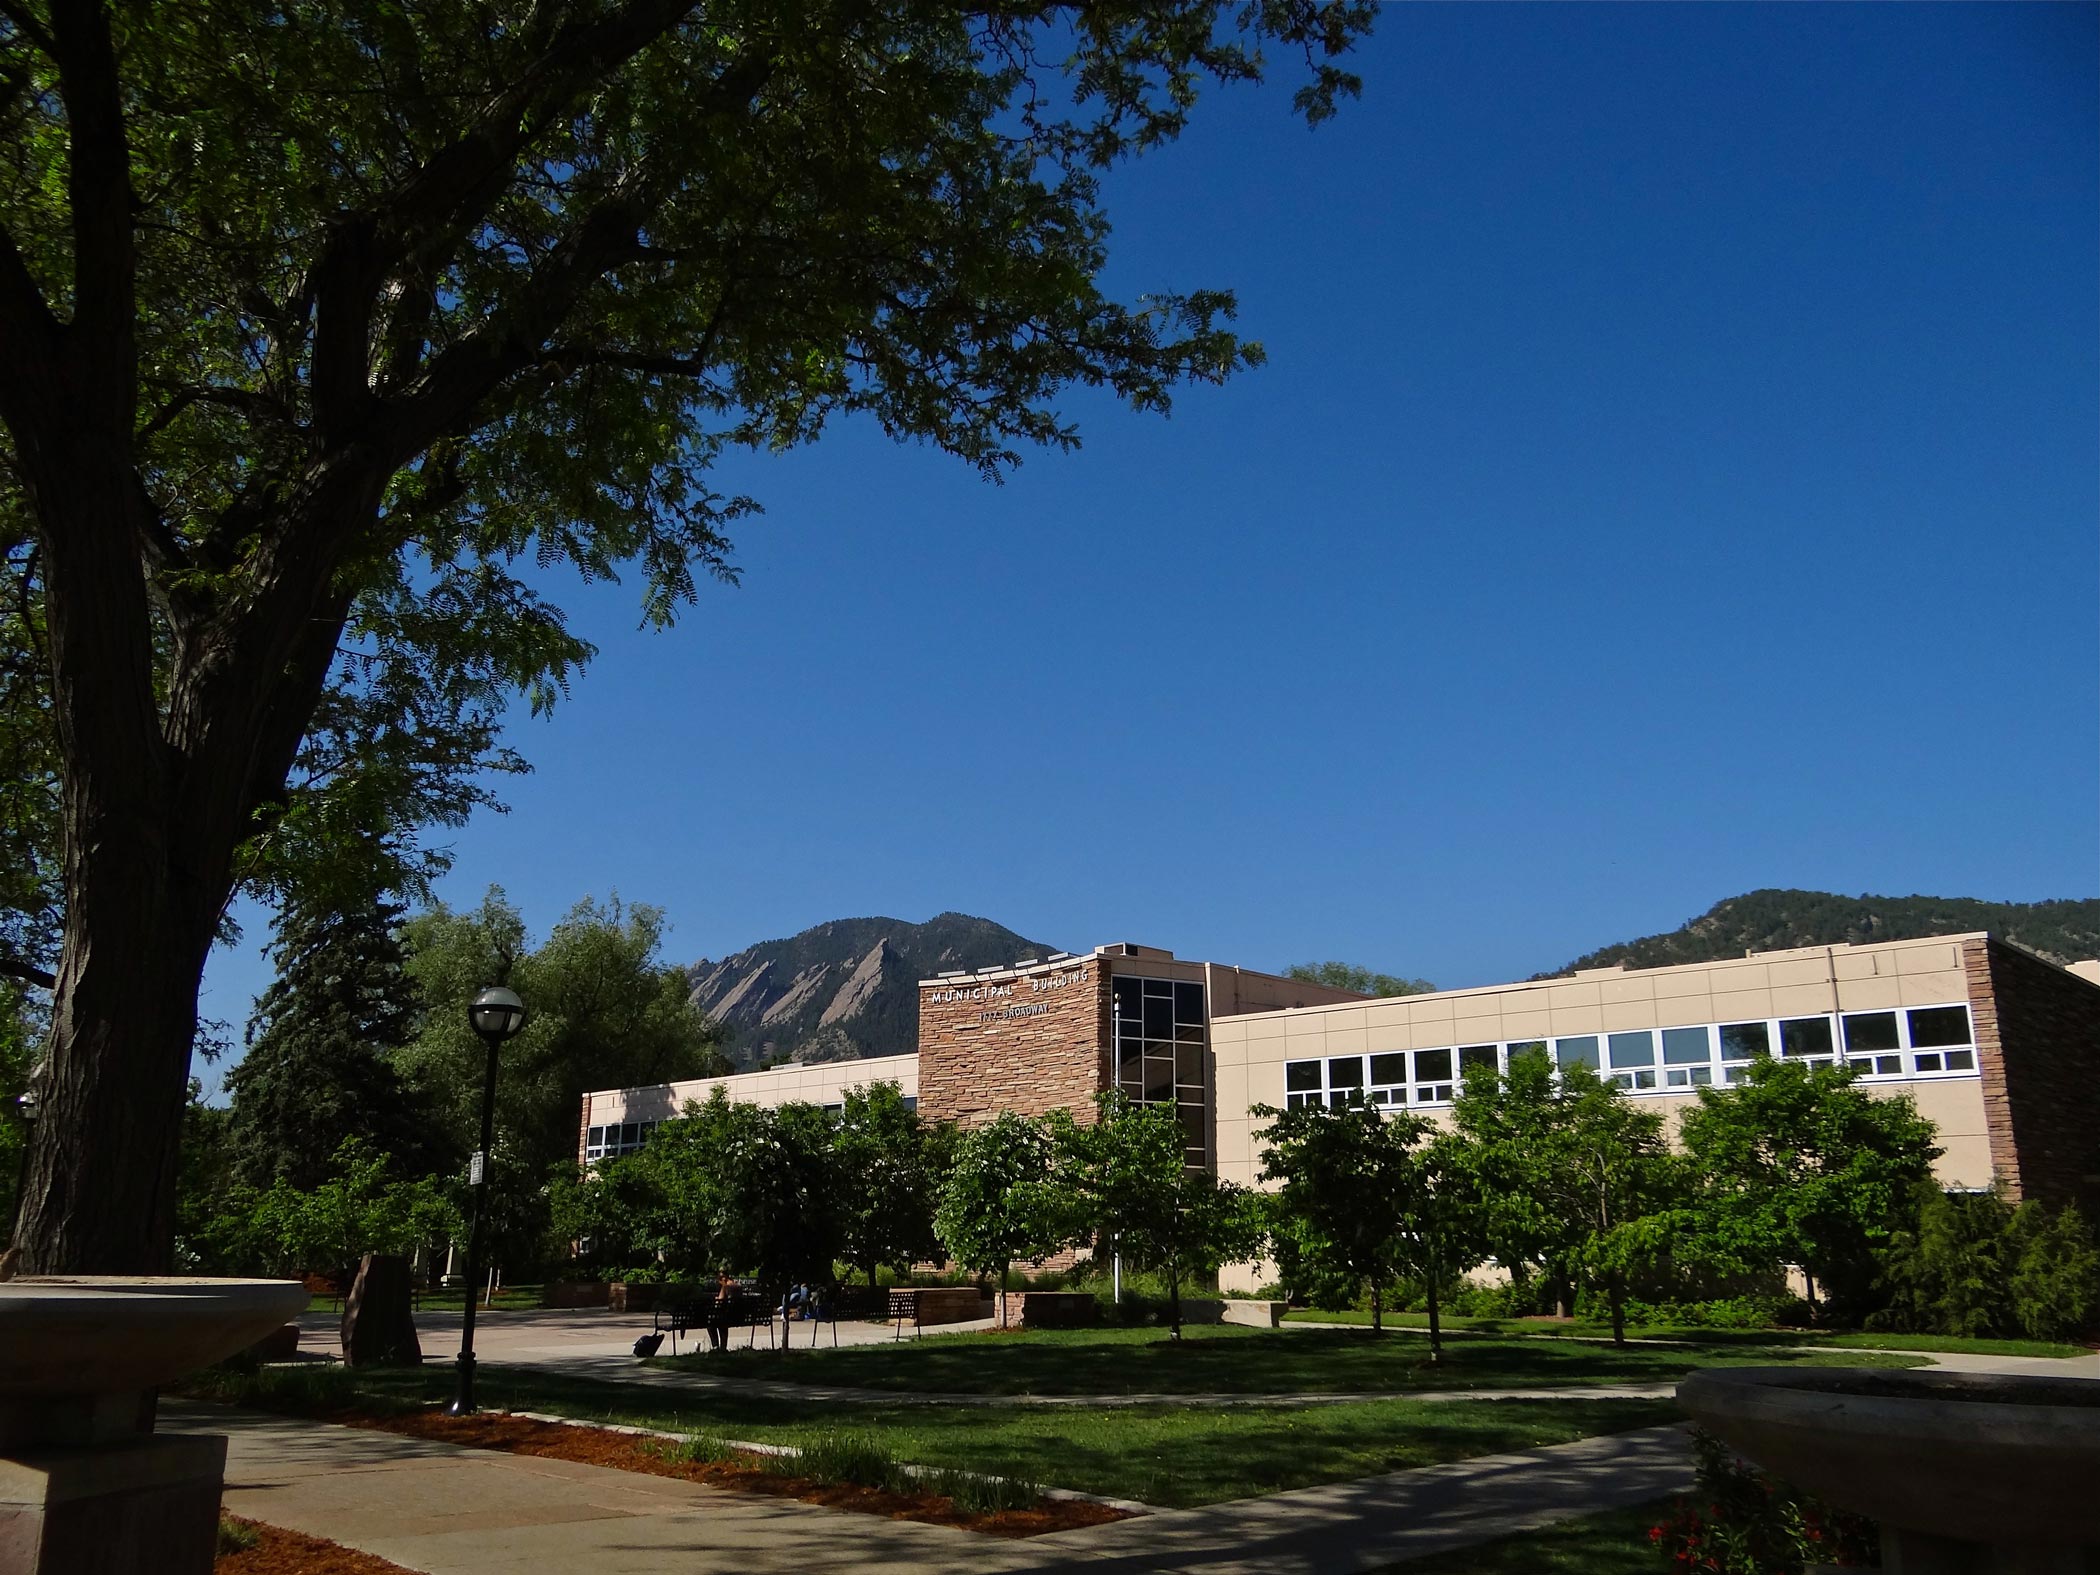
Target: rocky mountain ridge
{"points": [[850, 988], [845, 989]]}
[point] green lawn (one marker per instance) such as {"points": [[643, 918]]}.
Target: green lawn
{"points": [[1613, 1543], [1227, 1359], [1585, 1329], [1166, 1455]]}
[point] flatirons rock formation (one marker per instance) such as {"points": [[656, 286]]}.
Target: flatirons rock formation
{"points": [[846, 989]]}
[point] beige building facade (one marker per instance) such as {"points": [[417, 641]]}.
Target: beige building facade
{"points": [[1999, 1049]]}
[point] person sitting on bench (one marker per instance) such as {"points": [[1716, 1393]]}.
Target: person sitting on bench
{"points": [[721, 1312]]}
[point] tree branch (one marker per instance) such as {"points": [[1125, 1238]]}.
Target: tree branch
{"points": [[98, 190], [28, 973]]}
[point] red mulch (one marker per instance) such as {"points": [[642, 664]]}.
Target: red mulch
{"points": [[593, 1446], [281, 1552]]}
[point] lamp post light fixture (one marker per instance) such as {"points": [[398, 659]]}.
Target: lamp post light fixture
{"points": [[496, 1015]]}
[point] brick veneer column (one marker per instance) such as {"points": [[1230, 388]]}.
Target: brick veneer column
{"points": [[1030, 1043], [2038, 1048]]}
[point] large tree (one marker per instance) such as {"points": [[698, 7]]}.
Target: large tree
{"points": [[1348, 1189], [318, 319], [1136, 1194], [1803, 1165], [318, 1067], [603, 1010]]}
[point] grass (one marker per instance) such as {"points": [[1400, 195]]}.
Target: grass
{"points": [[1168, 1455], [1228, 1359], [1613, 1543], [1586, 1329]]}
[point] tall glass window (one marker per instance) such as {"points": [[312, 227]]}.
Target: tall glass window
{"points": [[1162, 1052]]}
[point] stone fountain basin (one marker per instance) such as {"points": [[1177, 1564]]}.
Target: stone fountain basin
{"points": [[1971, 1456], [86, 1335]]}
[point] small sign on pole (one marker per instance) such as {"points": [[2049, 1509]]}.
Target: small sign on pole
{"points": [[474, 1169]]}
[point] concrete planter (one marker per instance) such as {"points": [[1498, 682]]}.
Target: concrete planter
{"points": [[1255, 1315], [577, 1293], [84, 1483], [1966, 1473]]}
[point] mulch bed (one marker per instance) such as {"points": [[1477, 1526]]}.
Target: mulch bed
{"points": [[592, 1446], [281, 1552]]}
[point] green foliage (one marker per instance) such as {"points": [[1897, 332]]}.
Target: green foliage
{"points": [[974, 1493], [21, 1048], [603, 1010], [1002, 1203], [889, 1165], [358, 1208], [853, 1459], [1349, 976], [1350, 1187], [1773, 920], [1739, 1521], [1136, 1194], [1974, 1266], [1800, 1165], [317, 1068], [325, 320], [235, 1536], [780, 1196]]}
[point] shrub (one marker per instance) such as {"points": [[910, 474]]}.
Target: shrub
{"points": [[2056, 1275], [1972, 1265], [858, 1459], [1728, 1312], [979, 1495], [1739, 1521], [235, 1536]]}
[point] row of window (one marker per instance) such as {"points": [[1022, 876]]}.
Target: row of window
{"points": [[1925, 1041], [610, 1142], [626, 1137], [1159, 1034]]}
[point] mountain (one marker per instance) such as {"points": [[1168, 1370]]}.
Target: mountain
{"points": [[1761, 921], [846, 989]]}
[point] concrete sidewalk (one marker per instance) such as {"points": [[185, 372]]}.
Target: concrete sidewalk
{"points": [[443, 1510]]}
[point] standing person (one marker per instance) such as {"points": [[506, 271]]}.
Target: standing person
{"points": [[718, 1314]]}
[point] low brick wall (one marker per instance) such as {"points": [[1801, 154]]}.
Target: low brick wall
{"points": [[938, 1304], [577, 1293], [1257, 1315], [1047, 1309]]}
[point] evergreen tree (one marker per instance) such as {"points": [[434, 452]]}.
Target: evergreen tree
{"points": [[318, 1067]]}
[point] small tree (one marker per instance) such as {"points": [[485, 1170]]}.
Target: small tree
{"points": [[1442, 1230], [887, 1181], [1134, 1187], [1348, 1187], [358, 1209], [777, 1195], [1001, 1202], [1800, 1165], [1569, 1174], [1505, 1120]]}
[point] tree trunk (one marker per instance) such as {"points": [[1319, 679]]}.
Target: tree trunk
{"points": [[1174, 1302], [99, 1196], [1615, 1292], [1436, 1333], [1377, 1308], [1002, 1294]]}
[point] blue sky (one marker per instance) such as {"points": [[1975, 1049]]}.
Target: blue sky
{"points": [[1674, 474]]}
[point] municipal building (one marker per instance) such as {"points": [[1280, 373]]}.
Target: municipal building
{"points": [[1999, 1048]]}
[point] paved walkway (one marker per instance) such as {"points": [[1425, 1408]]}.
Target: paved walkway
{"points": [[443, 1510]]}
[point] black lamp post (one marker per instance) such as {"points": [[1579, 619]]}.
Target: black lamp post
{"points": [[496, 1015]]}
